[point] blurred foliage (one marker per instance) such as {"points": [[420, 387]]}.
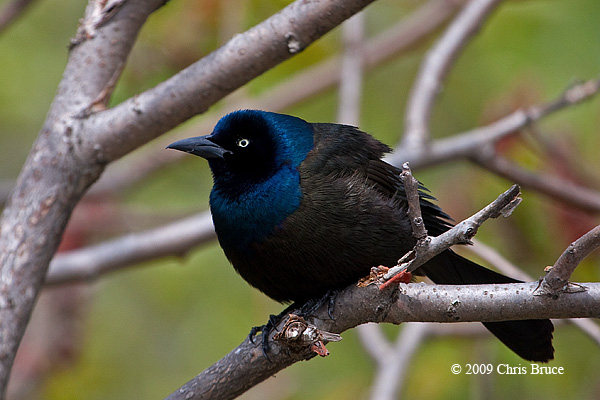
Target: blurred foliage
{"points": [[152, 328]]}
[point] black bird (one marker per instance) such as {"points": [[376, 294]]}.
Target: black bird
{"points": [[301, 209]]}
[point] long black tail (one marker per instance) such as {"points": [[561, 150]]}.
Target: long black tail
{"points": [[530, 339]]}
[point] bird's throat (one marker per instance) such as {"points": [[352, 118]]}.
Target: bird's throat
{"points": [[243, 219]]}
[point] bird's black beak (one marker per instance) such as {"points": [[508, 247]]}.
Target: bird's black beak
{"points": [[200, 146]]}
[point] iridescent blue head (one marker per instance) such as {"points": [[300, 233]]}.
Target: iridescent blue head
{"points": [[254, 157]]}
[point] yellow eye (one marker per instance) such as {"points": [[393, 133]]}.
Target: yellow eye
{"points": [[243, 142]]}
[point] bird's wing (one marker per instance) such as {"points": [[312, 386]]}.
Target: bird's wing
{"points": [[342, 150]]}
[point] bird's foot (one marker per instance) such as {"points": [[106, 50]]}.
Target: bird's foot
{"points": [[302, 311], [377, 276], [313, 305], [268, 328]]}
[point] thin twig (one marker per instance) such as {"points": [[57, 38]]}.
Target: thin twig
{"points": [[549, 185], [11, 11], [461, 233], [174, 239], [411, 187], [557, 279], [469, 144]]}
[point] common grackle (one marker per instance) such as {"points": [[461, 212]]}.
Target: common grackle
{"points": [[304, 208]]}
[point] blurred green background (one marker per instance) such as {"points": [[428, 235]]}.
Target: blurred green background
{"points": [[147, 330]]}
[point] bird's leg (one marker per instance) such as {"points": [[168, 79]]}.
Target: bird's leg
{"points": [[305, 309], [313, 304], [270, 325]]}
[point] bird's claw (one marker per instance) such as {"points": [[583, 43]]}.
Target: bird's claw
{"points": [[266, 330], [314, 304], [307, 308]]}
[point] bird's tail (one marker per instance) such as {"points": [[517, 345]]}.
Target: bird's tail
{"points": [[530, 339]]}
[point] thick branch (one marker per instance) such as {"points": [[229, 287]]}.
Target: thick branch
{"points": [[54, 176], [194, 89], [245, 366]]}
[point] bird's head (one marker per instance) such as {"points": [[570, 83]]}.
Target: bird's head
{"points": [[250, 146], [254, 158]]}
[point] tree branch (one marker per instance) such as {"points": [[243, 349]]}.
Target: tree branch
{"points": [[91, 262], [351, 71], [194, 89], [461, 233], [469, 144], [395, 41], [410, 302], [477, 145], [11, 11], [434, 69], [549, 185], [54, 176], [393, 365]]}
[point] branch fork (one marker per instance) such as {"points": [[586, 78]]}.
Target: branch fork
{"points": [[556, 280], [427, 246]]}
